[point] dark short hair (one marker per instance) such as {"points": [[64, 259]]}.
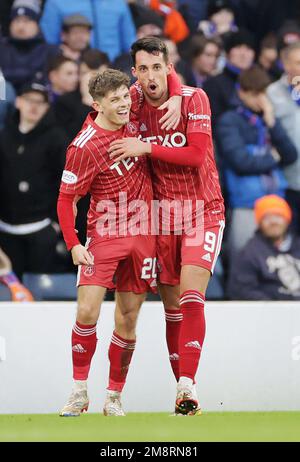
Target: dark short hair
{"points": [[254, 79], [57, 61], [94, 58], [198, 44], [109, 80], [153, 45]]}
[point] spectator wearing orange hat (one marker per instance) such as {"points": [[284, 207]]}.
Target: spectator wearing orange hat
{"points": [[268, 267]]}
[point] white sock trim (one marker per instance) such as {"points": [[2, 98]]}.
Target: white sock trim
{"points": [[185, 382]]}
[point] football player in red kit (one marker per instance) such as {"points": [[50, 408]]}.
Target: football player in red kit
{"points": [[183, 173], [116, 255]]}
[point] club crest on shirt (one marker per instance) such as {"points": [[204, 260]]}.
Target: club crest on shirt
{"points": [[132, 129]]}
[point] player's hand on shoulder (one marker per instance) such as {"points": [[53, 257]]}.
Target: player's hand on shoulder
{"points": [[172, 117], [81, 256], [128, 147]]}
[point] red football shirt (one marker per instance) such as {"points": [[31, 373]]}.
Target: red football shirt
{"points": [[171, 181], [88, 168]]}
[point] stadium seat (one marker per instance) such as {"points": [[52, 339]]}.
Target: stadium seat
{"points": [[5, 295], [45, 287]]}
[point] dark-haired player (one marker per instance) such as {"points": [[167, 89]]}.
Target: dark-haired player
{"points": [[184, 171]]}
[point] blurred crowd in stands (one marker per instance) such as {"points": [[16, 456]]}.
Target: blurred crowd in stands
{"points": [[245, 54]]}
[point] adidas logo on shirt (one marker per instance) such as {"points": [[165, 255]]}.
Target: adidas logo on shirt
{"points": [[143, 128], [194, 344], [174, 357], [207, 257], [78, 348]]}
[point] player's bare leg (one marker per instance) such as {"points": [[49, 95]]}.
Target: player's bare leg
{"points": [[121, 348], [173, 315], [193, 285], [84, 343]]}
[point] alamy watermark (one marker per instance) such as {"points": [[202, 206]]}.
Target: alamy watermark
{"points": [[139, 217]]}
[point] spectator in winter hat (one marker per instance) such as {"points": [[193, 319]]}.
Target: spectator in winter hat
{"points": [[268, 267], [24, 54], [113, 29], [32, 149], [220, 19]]}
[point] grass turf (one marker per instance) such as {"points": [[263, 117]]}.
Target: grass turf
{"points": [[159, 427]]}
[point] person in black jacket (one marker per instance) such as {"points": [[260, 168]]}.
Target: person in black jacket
{"points": [[32, 151], [268, 268], [24, 54], [221, 89]]}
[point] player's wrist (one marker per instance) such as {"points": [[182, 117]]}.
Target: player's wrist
{"points": [[148, 149]]}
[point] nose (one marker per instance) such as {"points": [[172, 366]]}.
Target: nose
{"points": [[150, 75]]}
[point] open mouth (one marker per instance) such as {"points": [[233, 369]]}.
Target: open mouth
{"points": [[152, 87]]}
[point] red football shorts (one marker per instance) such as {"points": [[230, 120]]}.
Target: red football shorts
{"points": [[127, 264], [174, 251]]}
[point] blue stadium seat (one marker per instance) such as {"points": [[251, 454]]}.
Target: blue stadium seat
{"points": [[45, 287], [5, 295]]}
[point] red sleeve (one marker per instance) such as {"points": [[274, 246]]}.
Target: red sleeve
{"points": [[174, 84], [66, 219], [79, 172], [191, 155], [198, 112]]}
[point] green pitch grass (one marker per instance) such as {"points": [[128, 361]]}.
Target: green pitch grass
{"points": [[227, 426]]}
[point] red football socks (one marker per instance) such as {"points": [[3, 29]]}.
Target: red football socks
{"points": [[192, 332], [120, 353], [173, 323], [84, 341]]}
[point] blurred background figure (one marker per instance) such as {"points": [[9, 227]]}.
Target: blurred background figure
{"points": [[113, 29], [204, 54], [268, 57], [63, 76], [285, 97], [193, 12], [220, 20], [268, 268], [253, 146], [17, 292], [147, 23], [221, 89], [71, 108], [75, 36], [32, 151], [175, 26], [24, 54]]}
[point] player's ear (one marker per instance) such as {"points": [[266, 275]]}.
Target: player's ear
{"points": [[170, 67], [133, 72], [97, 106]]}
